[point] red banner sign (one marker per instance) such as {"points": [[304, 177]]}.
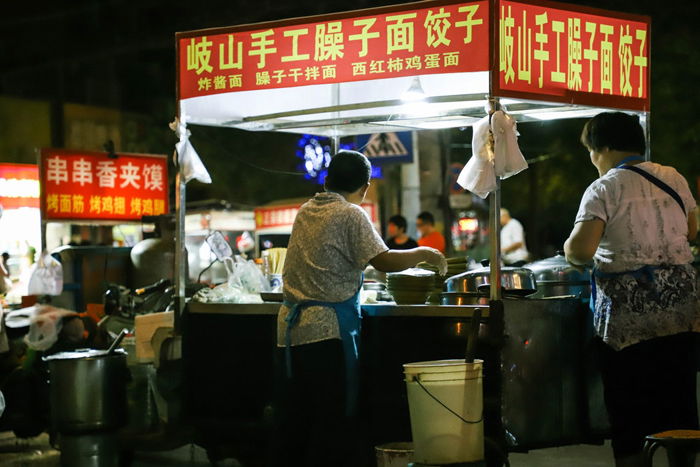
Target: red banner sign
{"points": [[446, 38], [79, 185], [284, 215], [19, 186], [564, 53]]}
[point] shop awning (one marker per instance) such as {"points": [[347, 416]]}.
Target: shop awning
{"points": [[424, 65]]}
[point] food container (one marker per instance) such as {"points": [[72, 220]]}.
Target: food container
{"points": [[88, 390], [557, 277], [463, 298], [515, 281]]}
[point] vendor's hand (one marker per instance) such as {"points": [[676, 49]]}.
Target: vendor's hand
{"points": [[436, 258]]}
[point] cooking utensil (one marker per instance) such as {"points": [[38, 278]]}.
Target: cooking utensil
{"points": [[555, 277], [87, 389], [473, 335], [515, 281], [463, 298], [117, 341]]}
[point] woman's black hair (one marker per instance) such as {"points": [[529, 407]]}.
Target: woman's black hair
{"points": [[616, 131], [348, 171], [399, 221]]}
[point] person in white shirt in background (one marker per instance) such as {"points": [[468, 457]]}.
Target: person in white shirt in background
{"points": [[513, 249]]}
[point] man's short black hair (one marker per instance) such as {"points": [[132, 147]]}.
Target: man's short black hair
{"points": [[399, 221], [348, 171], [617, 131], [426, 217]]}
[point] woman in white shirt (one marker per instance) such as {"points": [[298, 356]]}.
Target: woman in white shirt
{"points": [[635, 222]]}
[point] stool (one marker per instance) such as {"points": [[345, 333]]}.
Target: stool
{"points": [[676, 442]]}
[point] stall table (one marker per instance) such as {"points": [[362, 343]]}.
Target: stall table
{"points": [[534, 387]]}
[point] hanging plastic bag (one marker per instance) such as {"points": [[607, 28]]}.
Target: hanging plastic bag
{"points": [[478, 176], [508, 159], [47, 276], [186, 155]]}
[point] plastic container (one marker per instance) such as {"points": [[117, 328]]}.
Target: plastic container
{"points": [[394, 454], [445, 401]]}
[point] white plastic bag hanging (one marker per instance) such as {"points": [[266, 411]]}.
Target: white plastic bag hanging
{"points": [[187, 157], [508, 160], [47, 276], [478, 176]]}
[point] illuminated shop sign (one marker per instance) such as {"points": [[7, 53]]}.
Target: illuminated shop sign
{"points": [[445, 38], [19, 186], [81, 185], [564, 53]]}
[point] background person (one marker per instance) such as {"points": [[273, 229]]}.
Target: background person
{"points": [[318, 326], [5, 281], [513, 249], [429, 236], [644, 296], [398, 239]]}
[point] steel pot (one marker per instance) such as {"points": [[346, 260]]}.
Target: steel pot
{"points": [[515, 281], [463, 298], [557, 277], [87, 390]]}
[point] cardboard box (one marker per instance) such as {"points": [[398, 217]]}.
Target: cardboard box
{"points": [[144, 328]]}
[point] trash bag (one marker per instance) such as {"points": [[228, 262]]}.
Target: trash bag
{"points": [[47, 276]]}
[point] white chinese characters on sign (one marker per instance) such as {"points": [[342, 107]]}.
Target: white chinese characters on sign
{"points": [[106, 174]]}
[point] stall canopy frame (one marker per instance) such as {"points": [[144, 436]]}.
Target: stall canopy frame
{"points": [[541, 60]]}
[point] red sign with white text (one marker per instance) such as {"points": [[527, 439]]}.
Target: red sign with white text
{"points": [[19, 186], [563, 53], [80, 185], [284, 215], [392, 42]]}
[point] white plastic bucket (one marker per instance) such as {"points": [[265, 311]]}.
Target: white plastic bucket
{"points": [[394, 454], [445, 401]]}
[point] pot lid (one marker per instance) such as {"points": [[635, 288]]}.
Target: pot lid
{"points": [[83, 353], [557, 269]]}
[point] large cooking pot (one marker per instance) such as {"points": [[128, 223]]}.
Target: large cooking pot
{"points": [[514, 281], [557, 277], [463, 298], [87, 390]]}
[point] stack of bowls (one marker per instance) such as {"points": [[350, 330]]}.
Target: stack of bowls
{"points": [[411, 286], [455, 265]]}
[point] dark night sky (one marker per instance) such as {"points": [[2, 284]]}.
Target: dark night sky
{"points": [[121, 54]]}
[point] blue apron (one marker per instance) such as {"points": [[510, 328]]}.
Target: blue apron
{"points": [[646, 271], [349, 323]]}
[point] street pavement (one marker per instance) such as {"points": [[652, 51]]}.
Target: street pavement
{"points": [[38, 452]]}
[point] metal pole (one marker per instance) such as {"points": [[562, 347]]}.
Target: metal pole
{"points": [[645, 121], [180, 255], [495, 241], [495, 223]]}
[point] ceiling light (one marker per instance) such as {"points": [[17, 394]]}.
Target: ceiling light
{"points": [[414, 92]]}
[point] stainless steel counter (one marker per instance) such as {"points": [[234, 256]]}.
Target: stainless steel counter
{"points": [[383, 310]]}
